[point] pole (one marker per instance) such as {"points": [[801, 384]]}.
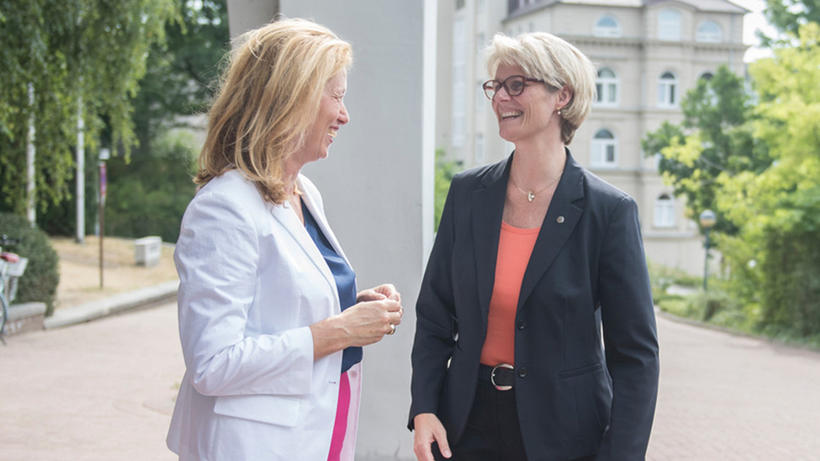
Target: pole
{"points": [[706, 262], [30, 156], [103, 181], [80, 192]]}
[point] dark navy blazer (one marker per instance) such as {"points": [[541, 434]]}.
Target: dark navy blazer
{"points": [[574, 396]]}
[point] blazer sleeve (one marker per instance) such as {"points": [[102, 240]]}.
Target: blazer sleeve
{"points": [[630, 335], [435, 326], [217, 258]]}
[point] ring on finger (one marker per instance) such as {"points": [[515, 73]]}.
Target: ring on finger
{"points": [[392, 329]]}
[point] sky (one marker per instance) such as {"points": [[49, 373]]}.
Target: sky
{"points": [[752, 22]]}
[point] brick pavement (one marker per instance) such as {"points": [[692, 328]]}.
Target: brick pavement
{"points": [[725, 397], [104, 390], [98, 391]]}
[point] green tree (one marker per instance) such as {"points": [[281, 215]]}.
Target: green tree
{"points": [[445, 170], [788, 15], [713, 138], [69, 51], [148, 195], [181, 71], [775, 258]]}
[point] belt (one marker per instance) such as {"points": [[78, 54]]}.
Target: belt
{"points": [[501, 376]]}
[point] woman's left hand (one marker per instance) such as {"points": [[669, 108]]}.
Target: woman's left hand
{"points": [[386, 290]]}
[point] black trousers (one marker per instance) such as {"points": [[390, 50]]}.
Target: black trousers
{"points": [[493, 432]]}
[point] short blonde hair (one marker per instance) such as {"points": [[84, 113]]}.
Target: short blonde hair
{"points": [[547, 57], [269, 96]]}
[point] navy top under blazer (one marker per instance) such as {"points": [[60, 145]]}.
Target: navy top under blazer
{"points": [[343, 275], [587, 270]]}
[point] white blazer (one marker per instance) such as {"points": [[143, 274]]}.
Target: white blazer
{"points": [[251, 282]]}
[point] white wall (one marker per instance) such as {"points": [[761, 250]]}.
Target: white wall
{"points": [[377, 185]]}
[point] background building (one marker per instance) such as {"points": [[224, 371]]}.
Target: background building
{"points": [[648, 54]]}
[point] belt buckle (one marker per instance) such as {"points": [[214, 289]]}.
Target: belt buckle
{"points": [[492, 376]]}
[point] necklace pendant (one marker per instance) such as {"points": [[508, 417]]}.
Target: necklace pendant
{"points": [[530, 196]]}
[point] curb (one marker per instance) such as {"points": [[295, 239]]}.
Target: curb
{"points": [[110, 306]]}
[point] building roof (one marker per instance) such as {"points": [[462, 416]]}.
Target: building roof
{"points": [[722, 6], [717, 6]]}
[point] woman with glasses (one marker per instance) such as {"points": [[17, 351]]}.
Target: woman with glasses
{"points": [[270, 320], [534, 259]]}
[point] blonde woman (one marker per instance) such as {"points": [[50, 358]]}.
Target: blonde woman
{"points": [[533, 257], [270, 321]]}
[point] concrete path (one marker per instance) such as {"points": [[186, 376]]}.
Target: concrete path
{"points": [[103, 391]]}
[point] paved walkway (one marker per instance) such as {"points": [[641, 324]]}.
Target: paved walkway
{"points": [[103, 391], [98, 391], [725, 397]]}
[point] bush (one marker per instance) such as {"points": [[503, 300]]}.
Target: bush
{"points": [[39, 282], [662, 277], [148, 196]]}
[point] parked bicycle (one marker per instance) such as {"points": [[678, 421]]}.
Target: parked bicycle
{"points": [[12, 267]]}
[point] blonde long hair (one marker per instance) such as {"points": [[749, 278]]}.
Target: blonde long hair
{"points": [[269, 95]]}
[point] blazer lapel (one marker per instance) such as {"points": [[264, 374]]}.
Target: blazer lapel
{"points": [[288, 219], [563, 214], [487, 209]]}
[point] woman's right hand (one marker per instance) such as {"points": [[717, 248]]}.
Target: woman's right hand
{"points": [[367, 322], [359, 325], [427, 428]]}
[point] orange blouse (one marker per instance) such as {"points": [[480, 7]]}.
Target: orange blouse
{"points": [[514, 249]]}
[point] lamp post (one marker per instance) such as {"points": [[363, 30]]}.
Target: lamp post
{"points": [[707, 221]]}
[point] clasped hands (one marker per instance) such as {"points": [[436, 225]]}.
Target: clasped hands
{"points": [[376, 313]]}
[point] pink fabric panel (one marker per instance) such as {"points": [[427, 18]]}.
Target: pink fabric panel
{"points": [[340, 426]]}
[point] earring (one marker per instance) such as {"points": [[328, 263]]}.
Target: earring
{"points": [[559, 112]]}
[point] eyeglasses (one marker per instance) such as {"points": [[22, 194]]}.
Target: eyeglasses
{"points": [[513, 85]]}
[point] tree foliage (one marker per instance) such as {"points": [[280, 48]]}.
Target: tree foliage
{"points": [[788, 15], [182, 71], [775, 258], [445, 170], [92, 51], [713, 138], [150, 193]]}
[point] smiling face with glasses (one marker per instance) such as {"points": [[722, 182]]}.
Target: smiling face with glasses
{"points": [[514, 85]]}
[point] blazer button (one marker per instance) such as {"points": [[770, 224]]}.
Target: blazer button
{"points": [[522, 372], [522, 325]]}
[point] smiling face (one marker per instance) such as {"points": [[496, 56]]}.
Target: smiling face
{"points": [[331, 116], [531, 113]]}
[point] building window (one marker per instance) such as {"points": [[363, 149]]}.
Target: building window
{"points": [[664, 211], [667, 90], [603, 150], [480, 43], [709, 31], [607, 26], [459, 4], [710, 91], [606, 87], [669, 24], [479, 148], [459, 85], [512, 5]]}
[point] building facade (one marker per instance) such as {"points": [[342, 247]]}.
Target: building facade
{"points": [[647, 54]]}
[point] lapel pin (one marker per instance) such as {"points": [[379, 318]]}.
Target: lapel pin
{"points": [[560, 220]]}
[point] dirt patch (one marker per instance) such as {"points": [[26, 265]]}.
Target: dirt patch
{"points": [[80, 272]]}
